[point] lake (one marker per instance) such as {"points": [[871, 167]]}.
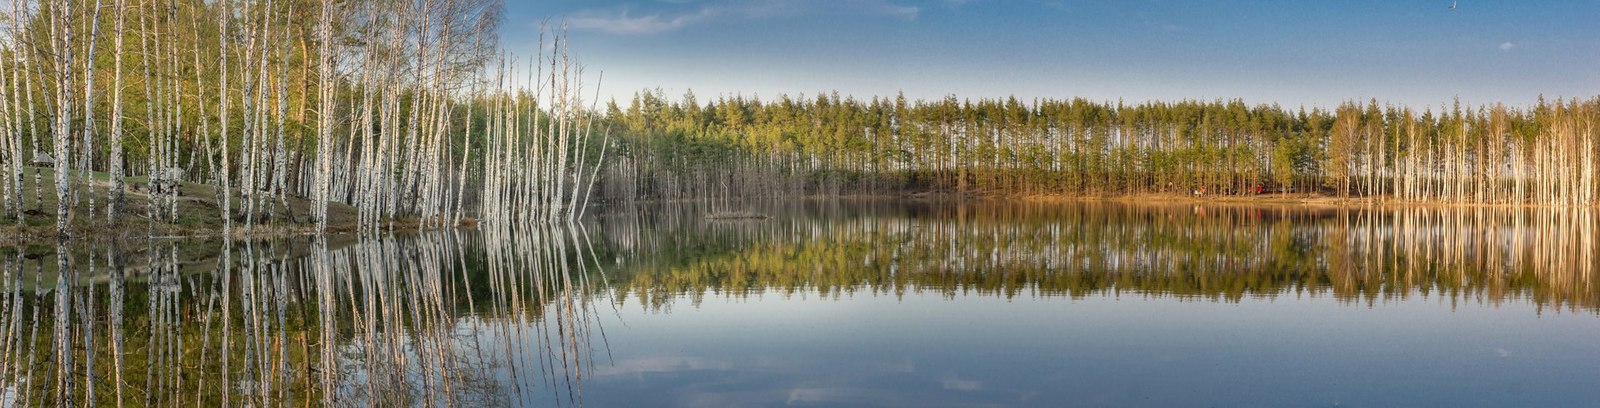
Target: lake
{"points": [[832, 303]]}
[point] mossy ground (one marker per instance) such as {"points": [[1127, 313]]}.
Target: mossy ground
{"points": [[198, 213]]}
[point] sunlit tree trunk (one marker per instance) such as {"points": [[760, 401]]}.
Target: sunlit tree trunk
{"points": [[325, 110], [115, 202], [153, 179], [89, 92], [174, 129], [10, 130], [225, 179], [279, 156], [62, 44]]}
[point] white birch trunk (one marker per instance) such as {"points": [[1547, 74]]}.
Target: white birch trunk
{"points": [[280, 158], [325, 110], [222, 123], [88, 106], [19, 114], [115, 201], [10, 136], [65, 61]]}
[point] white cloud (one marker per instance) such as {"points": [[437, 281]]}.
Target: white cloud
{"points": [[890, 9], [624, 21], [962, 385], [654, 365], [1507, 46], [621, 22]]}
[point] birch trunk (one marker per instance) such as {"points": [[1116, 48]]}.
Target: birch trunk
{"points": [[152, 129], [115, 201], [279, 160], [65, 61], [325, 108], [88, 106], [10, 135], [172, 149], [222, 123]]}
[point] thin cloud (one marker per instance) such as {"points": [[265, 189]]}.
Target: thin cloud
{"points": [[657, 365], [1057, 5], [621, 22], [1507, 46], [890, 9], [625, 21], [962, 385]]}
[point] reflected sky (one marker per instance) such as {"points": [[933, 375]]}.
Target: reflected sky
{"points": [[931, 350], [1104, 305]]}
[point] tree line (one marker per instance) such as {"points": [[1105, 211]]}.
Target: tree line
{"points": [[397, 109], [828, 144]]}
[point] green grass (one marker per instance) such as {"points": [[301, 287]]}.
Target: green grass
{"points": [[198, 211]]}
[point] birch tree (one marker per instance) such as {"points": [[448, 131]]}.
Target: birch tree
{"points": [[63, 43], [115, 203]]}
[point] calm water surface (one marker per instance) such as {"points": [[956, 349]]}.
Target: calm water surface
{"points": [[832, 304]]}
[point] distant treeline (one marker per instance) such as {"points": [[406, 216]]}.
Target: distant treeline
{"points": [[825, 145]]}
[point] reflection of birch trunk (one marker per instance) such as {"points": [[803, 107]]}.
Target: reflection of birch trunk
{"points": [[388, 328], [33, 332], [328, 324], [118, 291], [62, 337], [9, 308]]}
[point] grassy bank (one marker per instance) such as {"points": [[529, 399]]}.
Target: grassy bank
{"points": [[198, 214]]}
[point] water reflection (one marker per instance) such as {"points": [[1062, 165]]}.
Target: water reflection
{"points": [[514, 316], [495, 318], [1215, 252]]}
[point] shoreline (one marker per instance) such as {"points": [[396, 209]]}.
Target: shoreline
{"points": [[1303, 200], [45, 235], [13, 235]]}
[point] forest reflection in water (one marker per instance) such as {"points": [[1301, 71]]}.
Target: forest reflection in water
{"points": [[513, 317], [497, 318], [1215, 252]]}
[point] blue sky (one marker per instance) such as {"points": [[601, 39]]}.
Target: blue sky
{"points": [[1414, 52]]}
